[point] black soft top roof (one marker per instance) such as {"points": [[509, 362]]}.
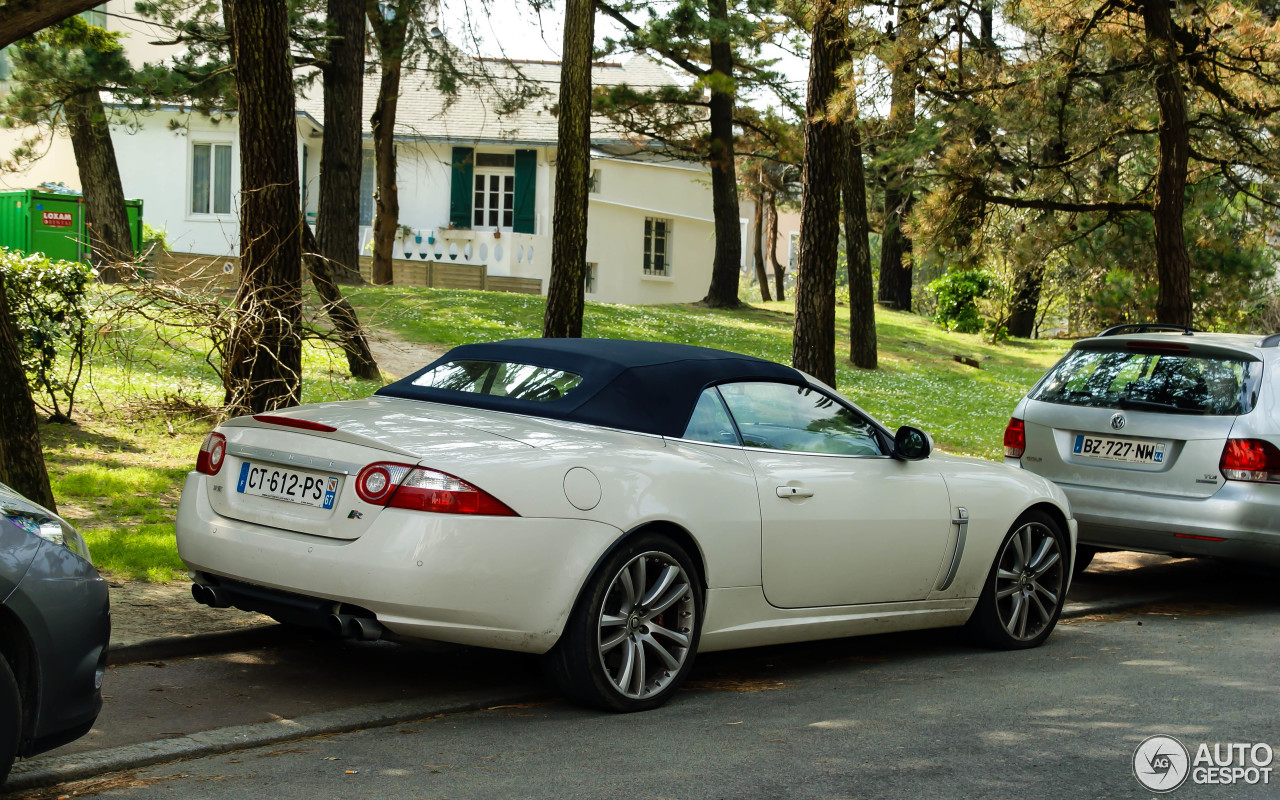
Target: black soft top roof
{"points": [[648, 387]]}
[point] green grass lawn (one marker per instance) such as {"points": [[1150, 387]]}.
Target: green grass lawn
{"points": [[118, 474]]}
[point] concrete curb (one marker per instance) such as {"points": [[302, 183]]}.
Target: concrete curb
{"points": [[198, 644], [41, 772], [1076, 610]]}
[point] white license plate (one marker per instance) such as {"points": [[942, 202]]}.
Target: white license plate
{"points": [[281, 483], [1130, 451]]}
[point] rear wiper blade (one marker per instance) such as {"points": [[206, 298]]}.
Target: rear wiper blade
{"points": [[1151, 405]]}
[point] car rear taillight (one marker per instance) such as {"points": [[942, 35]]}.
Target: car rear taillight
{"points": [[1015, 438], [378, 481], [419, 489], [428, 490], [1250, 460], [213, 451]]}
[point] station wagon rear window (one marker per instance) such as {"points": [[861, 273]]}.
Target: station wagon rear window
{"points": [[1153, 381], [501, 379]]}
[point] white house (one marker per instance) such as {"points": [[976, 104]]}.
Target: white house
{"points": [[475, 184]]}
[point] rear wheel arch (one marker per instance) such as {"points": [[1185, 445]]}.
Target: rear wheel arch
{"points": [[1057, 515], [671, 530]]}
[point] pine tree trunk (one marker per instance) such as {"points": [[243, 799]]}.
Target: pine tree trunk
{"points": [[725, 266], [107, 218], [813, 347], [21, 457], [360, 360], [757, 249], [1173, 263], [862, 301], [263, 357], [1026, 301], [563, 316], [771, 236], [895, 246], [386, 220], [342, 152]]}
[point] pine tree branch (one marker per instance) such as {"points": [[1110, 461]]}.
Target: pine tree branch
{"points": [[672, 56]]}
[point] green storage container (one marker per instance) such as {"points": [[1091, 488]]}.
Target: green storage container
{"points": [[134, 209], [32, 221]]}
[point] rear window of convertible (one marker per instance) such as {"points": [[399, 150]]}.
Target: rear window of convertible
{"points": [[501, 379], [1160, 382]]}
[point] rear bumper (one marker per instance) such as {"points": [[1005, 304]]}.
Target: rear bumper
{"points": [[1246, 516], [504, 582]]}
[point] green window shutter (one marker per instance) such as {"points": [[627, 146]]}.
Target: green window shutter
{"points": [[526, 190], [462, 175]]}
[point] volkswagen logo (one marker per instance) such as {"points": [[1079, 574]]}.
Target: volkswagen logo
{"points": [[1117, 422]]}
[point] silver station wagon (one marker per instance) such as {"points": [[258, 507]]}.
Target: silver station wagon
{"points": [[1165, 440]]}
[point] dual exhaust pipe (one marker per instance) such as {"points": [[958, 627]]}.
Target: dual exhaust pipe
{"points": [[344, 626], [210, 596]]}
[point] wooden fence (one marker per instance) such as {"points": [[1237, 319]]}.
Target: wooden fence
{"points": [[223, 272]]}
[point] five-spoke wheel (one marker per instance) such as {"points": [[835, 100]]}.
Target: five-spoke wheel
{"points": [[632, 637], [1024, 592]]}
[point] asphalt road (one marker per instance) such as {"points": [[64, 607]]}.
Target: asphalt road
{"points": [[907, 715]]}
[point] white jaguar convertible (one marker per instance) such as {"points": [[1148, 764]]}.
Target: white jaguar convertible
{"points": [[617, 506]]}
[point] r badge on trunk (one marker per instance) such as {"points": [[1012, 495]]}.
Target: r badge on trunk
{"points": [[1117, 421]]}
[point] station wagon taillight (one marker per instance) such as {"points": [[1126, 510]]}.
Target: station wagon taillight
{"points": [[1254, 460], [1015, 438], [420, 489], [213, 451]]}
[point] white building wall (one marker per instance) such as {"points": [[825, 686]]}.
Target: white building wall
{"points": [[630, 192], [156, 163], [57, 162]]}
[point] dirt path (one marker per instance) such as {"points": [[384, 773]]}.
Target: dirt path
{"points": [[143, 611], [397, 357]]}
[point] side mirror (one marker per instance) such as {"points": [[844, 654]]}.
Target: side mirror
{"points": [[911, 444]]}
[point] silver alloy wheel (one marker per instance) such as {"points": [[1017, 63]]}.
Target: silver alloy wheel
{"points": [[646, 624], [1028, 581]]}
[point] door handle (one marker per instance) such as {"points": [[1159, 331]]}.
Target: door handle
{"points": [[794, 491]]}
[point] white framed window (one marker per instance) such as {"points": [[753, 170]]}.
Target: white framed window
{"points": [[595, 181], [657, 246], [494, 200], [210, 178], [589, 278], [793, 249]]}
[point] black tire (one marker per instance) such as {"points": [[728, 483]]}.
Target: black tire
{"points": [[1084, 557], [10, 718], [1019, 606], [591, 670]]}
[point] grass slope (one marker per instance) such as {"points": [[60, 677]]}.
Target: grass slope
{"points": [[119, 474]]}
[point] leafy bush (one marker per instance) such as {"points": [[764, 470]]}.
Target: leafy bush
{"points": [[48, 304], [957, 293]]}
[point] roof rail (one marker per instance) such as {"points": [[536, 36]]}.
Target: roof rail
{"points": [[1271, 341], [1146, 327]]}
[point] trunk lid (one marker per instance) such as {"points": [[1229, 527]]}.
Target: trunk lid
{"points": [[375, 429], [1191, 445]]}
